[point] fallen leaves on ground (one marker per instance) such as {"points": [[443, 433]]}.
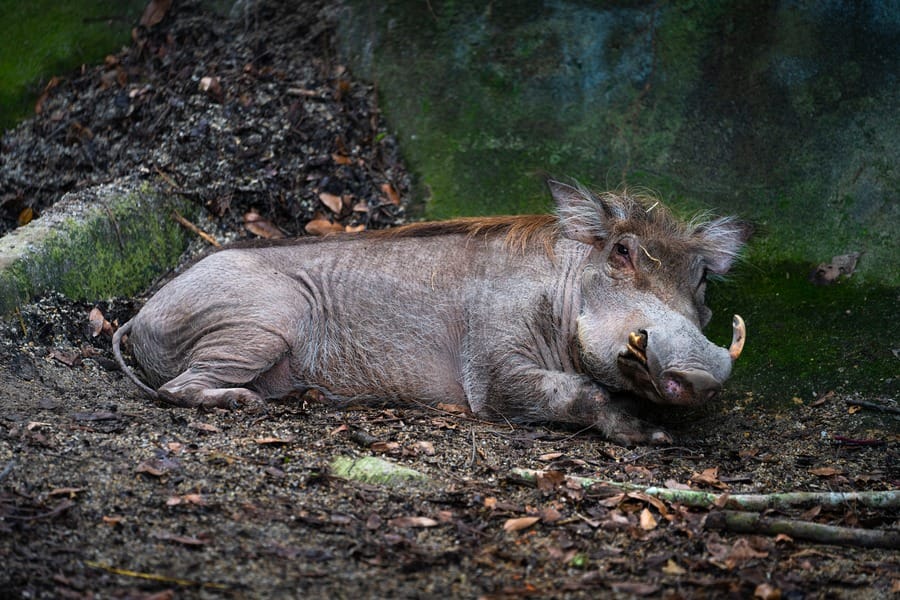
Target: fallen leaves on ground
{"points": [[323, 227], [260, 226]]}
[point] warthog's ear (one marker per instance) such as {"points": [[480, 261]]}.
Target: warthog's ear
{"points": [[583, 216], [720, 241]]}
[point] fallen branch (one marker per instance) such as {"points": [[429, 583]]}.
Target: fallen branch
{"points": [[206, 237], [747, 502], [749, 522], [746, 520]]}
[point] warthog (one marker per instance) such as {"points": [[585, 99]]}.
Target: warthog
{"points": [[526, 318]]}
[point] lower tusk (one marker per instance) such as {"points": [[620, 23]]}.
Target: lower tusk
{"points": [[738, 337]]}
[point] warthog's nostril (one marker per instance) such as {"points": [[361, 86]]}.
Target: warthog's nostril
{"points": [[688, 387]]}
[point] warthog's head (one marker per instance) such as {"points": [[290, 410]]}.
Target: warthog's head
{"points": [[642, 285]]}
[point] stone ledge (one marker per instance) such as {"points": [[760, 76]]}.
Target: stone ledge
{"points": [[109, 240]]}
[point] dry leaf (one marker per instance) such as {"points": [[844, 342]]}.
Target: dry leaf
{"points": [[413, 522], [264, 228], [112, 520], [826, 472], [490, 502], [341, 159], [648, 522], [766, 591], [204, 427], [673, 568], [520, 523], [323, 227], [274, 440], [151, 467], [840, 266], [423, 447], [66, 491], [25, 217], [195, 499], [68, 358], [709, 477], [361, 207], [385, 447], [39, 105], [824, 398], [550, 515], [155, 12], [333, 202], [547, 481], [734, 556], [355, 228], [99, 324], [549, 456], [391, 193], [676, 485], [454, 409]]}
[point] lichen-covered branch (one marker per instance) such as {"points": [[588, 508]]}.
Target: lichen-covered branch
{"points": [[746, 502]]}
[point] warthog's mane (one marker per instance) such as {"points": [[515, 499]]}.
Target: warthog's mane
{"points": [[518, 232], [609, 213]]}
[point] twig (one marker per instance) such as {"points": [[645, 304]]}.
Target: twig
{"points": [[874, 406], [208, 238], [471, 460], [748, 522], [747, 502], [154, 576], [166, 178]]}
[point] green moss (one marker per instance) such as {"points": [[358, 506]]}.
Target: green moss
{"points": [[804, 340], [118, 256], [118, 251], [41, 38]]}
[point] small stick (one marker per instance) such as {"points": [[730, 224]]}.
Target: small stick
{"points": [[153, 576], [166, 178], [206, 237]]}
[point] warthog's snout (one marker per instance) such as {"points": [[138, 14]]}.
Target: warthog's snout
{"points": [[689, 386], [676, 383]]}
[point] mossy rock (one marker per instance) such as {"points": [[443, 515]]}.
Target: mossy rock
{"points": [[111, 240]]}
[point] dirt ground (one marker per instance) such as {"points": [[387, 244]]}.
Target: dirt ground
{"points": [[104, 493]]}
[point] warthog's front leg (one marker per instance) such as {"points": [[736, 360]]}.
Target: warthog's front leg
{"points": [[536, 394]]}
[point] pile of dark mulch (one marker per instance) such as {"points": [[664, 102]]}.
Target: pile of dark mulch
{"points": [[246, 113]]}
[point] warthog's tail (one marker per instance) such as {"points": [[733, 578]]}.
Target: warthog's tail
{"points": [[117, 351]]}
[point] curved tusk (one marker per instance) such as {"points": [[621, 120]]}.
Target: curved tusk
{"points": [[738, 337]]}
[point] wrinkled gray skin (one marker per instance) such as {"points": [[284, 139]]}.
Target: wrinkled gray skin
{"points": [[520, 318]]}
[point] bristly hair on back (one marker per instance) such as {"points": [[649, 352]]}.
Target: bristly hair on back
{"points": [[519, 232]]}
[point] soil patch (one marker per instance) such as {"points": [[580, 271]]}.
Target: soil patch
{"points": [[103, 492]]}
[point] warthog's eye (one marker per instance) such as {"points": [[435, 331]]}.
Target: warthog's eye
{"points": [[621, 256]]}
